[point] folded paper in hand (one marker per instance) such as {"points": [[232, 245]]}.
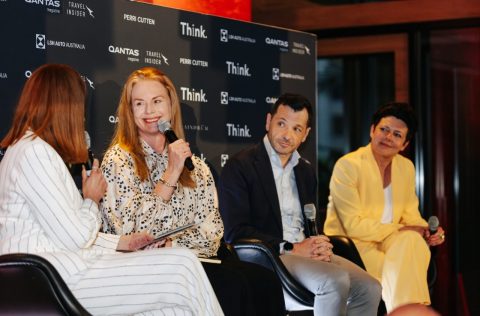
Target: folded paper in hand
{"points": [[164, 235]]}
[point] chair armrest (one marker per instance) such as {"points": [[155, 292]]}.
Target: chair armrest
{"points": [[37, 280], [259, 252], [343, 246], [226, 251]]}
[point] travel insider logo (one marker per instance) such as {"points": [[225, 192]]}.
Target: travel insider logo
{"points": [[300, 49], [79, 9], [89, 82], [155, 58]]}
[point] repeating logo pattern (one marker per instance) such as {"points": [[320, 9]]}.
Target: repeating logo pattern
{"points": [[227, 73]]}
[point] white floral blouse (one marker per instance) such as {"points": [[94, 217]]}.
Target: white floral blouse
{"points": [[129, 205]]}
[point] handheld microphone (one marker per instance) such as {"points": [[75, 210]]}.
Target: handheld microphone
{"points": [[310, 214], [165, 128], [89, 162], [433, 224]]}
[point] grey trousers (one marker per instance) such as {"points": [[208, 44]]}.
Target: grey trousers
{"points": [[340, 286]]}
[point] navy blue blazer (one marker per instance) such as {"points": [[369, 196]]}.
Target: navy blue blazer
{"points": [[248, 196]]}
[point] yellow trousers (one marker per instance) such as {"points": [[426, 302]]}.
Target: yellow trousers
{"points": [[400, 263]]}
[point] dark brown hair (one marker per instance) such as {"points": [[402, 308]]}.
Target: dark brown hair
{"points": [[402, 111], [296, 102]]}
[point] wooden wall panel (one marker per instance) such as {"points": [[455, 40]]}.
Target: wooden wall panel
{"points": [[397, 43], [308, 16]]}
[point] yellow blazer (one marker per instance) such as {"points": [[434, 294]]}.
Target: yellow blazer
{"points": [[356, 199]]}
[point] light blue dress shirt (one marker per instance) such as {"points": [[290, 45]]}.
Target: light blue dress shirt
{"points": [[290, 207]]}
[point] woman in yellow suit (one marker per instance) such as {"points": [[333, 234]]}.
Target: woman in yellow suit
{"points": [[373, 201]]}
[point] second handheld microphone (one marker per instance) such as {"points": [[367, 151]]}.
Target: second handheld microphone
{"points": [[165, 128], [433, 224], [311, 215], [89, 162]]}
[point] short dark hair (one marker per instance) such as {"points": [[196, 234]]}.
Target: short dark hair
{"points": [[402, 111], [295, 101]]}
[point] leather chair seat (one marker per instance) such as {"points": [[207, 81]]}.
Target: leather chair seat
{"points": [[30, 285]]}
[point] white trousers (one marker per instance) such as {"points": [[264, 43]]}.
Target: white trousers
{"points": [[167, 281]]}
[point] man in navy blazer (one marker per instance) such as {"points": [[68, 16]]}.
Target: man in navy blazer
{"points": [[262, 192], [251, 170]]}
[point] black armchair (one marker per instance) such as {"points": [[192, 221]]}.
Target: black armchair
{"points": [[298, 297], [30, 285], [344, 246], [256, 251]]}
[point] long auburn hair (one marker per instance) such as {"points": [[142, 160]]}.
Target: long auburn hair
{"points": [[126, 132], [52, 105]]}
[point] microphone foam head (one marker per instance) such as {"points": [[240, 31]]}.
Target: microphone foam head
{"points": [[433, 223], [87, 140], [163, 126], [310, 211]]}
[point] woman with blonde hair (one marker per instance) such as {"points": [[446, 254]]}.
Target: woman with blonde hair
{"points": [[150, 189], [43, 213]]}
